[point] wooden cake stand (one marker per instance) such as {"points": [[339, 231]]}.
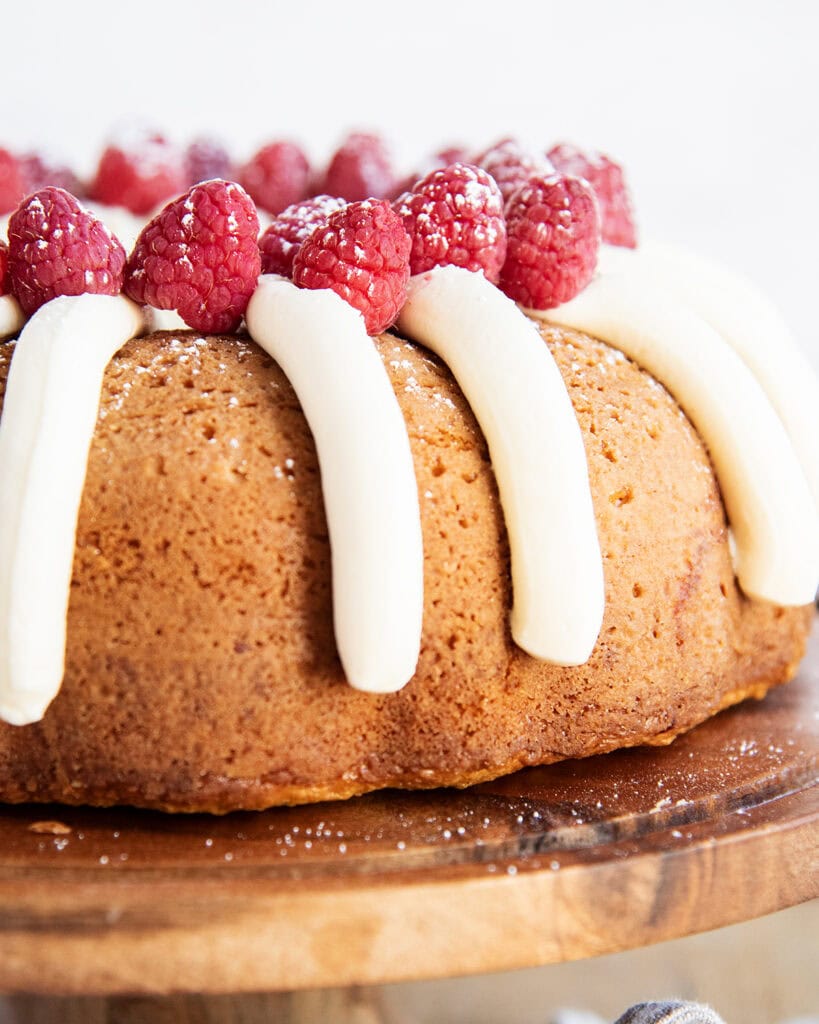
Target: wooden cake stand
{"points": [[574, 860]]}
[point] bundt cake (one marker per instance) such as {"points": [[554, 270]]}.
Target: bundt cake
{"points": [[306, 557]]}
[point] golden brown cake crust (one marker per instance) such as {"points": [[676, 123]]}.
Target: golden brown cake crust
{"points": [[201, 668]]}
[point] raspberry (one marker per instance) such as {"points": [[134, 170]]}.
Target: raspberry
{"points": [[12, 181], [200, 257], [277, 176], [139, 174], [608, 181], [362, 253], [4, 269], [454, 217], [553, 237], [39, 172], [57, 247], [282, 239], [206, 158], [511, 166], [360, 169]]}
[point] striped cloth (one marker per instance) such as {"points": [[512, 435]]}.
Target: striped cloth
{"points": [[665, 1012], [669, 1011], [672, 1012]]}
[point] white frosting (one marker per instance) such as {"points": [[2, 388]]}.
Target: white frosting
{"points": [[750, 324], [12, 317], [48, 420], [367, 476], [769, 505], [167, 320], [521, 403]]}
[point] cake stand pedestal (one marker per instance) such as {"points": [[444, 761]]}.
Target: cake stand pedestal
{"points": [[551, 864]]}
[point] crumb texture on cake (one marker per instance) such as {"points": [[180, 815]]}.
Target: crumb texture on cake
{"points": [[201, 668]]}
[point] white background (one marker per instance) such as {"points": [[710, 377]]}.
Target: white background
{"points": [[711, 106]]}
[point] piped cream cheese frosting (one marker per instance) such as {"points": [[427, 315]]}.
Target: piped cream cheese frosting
{"points": [[367, 476], [520, 401], [748, 321], [12, 317], [49, 414], [770, 508]]}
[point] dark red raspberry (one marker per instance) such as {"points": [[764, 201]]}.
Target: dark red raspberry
{"points": [[200, 257], [553, 238], [56, 247], [608, 181], [39, 172], [454, 217], [206, 158], [511, 166], [362, 253], [277, 176], [138, 173], [12, 181], [4, 269], [283, 237], [361, 168]]}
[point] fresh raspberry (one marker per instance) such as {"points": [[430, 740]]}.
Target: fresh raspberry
{"points": [[511, 166], [39, 172], [277, 176], [608, 181], [360, 169], [553, 237], [12, 181], [283, 237], [454, 217], [57, 247], [200, 257], [362, 253], [4, 269], [206, 158], [138, 173]]}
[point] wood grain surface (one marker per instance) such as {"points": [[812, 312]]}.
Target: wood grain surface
{"points": [[550, 864]]}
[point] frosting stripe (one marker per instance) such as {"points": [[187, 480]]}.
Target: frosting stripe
{"points": [[49, 414], [367, 476], [769, 505], [750, 324], [11, 316], [517, 394]]}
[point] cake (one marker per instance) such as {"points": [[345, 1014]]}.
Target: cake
{"points": [[228, 583]]}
